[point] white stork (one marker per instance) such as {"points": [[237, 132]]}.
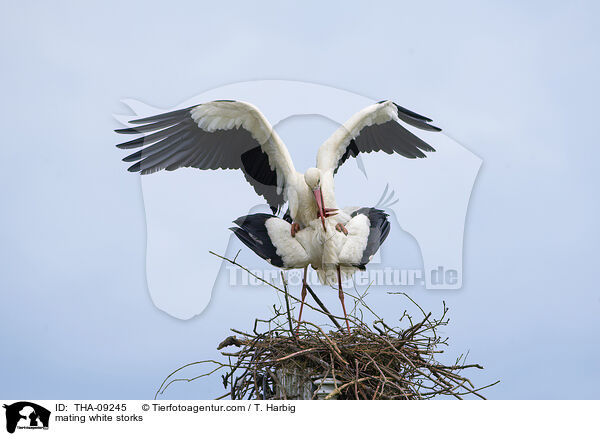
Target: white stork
{"points": [[227, 134], [334, 254]]}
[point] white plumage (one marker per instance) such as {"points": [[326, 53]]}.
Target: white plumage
{"points": [[323, 249], [334, 147]]}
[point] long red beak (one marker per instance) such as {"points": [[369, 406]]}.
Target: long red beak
{"points": [[319, 199]]}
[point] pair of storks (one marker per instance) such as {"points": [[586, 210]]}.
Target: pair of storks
{"points": [[227, 134]]}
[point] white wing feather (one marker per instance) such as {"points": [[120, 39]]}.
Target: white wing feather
{"points": [[334, 147], [228, 115]]}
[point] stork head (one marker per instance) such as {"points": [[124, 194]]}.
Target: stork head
{"points": [[312, 177]]}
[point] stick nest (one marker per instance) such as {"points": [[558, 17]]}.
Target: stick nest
{"points": [[374, 361]]}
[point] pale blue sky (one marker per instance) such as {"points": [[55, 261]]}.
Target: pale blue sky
{"points": [[515, 83]]}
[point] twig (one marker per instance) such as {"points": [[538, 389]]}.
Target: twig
{"points": [[322, 306], [375, 361]]}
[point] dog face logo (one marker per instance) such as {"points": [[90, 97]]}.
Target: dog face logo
{"points": [[26, 415]]}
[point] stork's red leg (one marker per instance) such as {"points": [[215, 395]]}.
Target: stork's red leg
{"points": [[341, 228], [295, 228], [341, 295], [302, 303]]}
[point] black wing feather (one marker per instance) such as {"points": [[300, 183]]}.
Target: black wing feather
{"points": [[253, 233], [173, 140], [379, 228], [391, 137]]}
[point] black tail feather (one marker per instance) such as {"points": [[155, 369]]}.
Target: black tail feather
{"points": [[253, 233], [378, 231]]}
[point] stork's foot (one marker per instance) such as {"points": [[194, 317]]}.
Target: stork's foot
{"points": [[295, 229], [330, 212], [341, 228]]}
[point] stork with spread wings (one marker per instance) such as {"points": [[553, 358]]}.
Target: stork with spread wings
{"points": [[227, 134]]}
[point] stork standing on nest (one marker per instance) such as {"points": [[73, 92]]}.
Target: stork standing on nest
{"points": [[334, 254], [227, 134]]}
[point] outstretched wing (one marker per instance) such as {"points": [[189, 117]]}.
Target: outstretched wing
{"points": [[222, 134], [375, 128]]}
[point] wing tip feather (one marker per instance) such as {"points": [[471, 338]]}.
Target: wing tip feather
{"points": [[135, 167], [415, 119]]}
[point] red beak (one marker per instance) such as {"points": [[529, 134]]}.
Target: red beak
{"points": [[319, 199]]}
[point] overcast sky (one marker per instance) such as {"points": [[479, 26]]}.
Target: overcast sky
{"points": [[515, 83]]}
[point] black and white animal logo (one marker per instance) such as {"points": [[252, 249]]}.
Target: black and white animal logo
{"points": [[26, 415]]}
